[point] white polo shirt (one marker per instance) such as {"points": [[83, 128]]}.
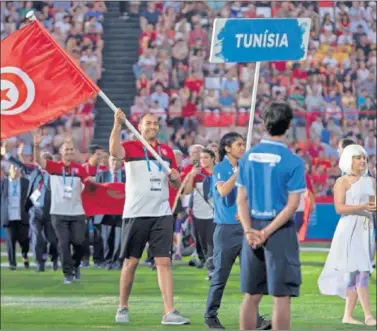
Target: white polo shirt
{"points": [[147, 188], [66, 187]]}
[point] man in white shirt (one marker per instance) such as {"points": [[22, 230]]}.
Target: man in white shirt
{"points": [[67, 212], [147, 216]]}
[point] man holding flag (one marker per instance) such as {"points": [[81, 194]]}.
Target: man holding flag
{"points": [[147, 216]]}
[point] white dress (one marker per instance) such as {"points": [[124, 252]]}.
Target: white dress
{"points": [[353, 246]]}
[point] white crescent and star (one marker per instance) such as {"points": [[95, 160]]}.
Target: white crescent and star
{"points": [[17, 91]]}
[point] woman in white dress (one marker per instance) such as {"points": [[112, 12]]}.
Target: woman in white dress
{"points": [[351, 258]]}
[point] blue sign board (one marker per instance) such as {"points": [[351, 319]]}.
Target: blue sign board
{"points": [[245, 40], [322, 222]]}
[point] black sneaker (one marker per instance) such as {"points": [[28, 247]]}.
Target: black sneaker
{"points": [[263, 324], [192, 263], [213, 323], [77, 275], [12, 267], [55, 265], [26, 264]]}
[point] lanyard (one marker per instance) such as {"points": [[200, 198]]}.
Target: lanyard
{"points": [[14, 186], [118, 176], [63, 172], [41, 181], [148, 162]]}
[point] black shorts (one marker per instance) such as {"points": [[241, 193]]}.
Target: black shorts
{"points": [[275, 267], [136, 232]]}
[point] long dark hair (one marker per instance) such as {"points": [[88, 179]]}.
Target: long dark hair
{"points": [[226, 141]]}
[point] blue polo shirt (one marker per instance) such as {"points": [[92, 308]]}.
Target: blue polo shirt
{"points": [[269, 172], [225, 207]]}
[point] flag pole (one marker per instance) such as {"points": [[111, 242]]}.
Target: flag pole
{"points": [[252, 106], [135, 132]]}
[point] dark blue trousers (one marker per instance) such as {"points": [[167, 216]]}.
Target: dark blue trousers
{"points": [[227, 241], [42, 233]]}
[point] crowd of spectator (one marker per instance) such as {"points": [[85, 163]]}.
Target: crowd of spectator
{"points": [[77, 27], [333, 92]]}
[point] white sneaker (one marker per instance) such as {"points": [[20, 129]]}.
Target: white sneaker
{"points": [[174, 318], [122, 315]]}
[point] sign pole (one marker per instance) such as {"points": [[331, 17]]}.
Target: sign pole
{"points": [[252, 106], [243, 40]]}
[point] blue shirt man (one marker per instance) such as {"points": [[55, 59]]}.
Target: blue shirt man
{"points": [[270, 182], [282, 172], [228, 235]]}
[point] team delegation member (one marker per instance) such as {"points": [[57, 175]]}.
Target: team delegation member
{"points": [[38, 203], [199, 185], [111, 224], [194, 153], [270, 182], [94, 168], [67, 213], [14, 217], [147, 214]]}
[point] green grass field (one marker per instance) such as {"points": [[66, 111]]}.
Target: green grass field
{"points": [[31, 301]]}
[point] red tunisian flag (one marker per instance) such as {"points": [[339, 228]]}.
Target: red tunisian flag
{"points": [[39, 81], [103, 199]]}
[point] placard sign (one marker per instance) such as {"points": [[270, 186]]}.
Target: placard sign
{"points": [[245, 40]]}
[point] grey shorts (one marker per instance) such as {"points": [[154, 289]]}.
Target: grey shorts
{"points": [[274, 268]]}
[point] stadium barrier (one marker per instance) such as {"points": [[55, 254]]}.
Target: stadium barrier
{"points": [[322, 222], [240, 118]]}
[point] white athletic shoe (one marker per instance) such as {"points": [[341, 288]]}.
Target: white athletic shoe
{"points": [[174, 318], [122, 315]]}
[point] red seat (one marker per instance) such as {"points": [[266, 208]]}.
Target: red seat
{"points": [[243, 119], [227, 119], [210, 119]]}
